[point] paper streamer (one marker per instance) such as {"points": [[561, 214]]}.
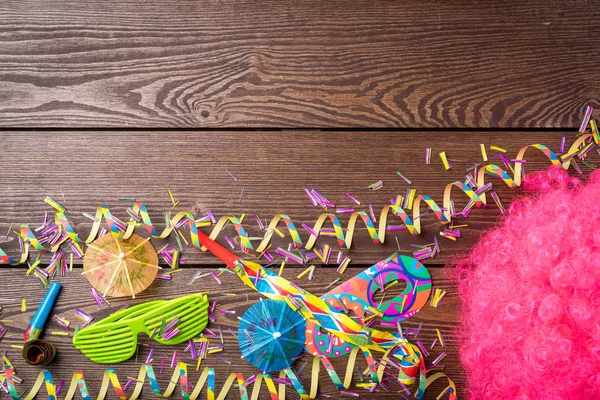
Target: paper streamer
{"points": [[357, 295], [413, 224], [318, 311], [404, 356], [205, 381]]}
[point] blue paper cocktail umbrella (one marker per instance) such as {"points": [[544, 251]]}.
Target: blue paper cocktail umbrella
{"points": [[271, 335]]}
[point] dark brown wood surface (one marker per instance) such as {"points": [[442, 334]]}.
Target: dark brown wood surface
{"points": [[75, 295], [297, 64], [169, 94], [96, 168]]}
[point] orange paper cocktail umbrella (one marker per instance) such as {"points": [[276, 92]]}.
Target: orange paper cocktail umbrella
{"points": [[120, 267]]}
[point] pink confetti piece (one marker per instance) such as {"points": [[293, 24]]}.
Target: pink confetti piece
{"points": [[309, 230], [229, 242], [372, 212], [311, 198], [231, 175], [242, 193], [348, 195], [439, 358], [586, 119], [126, 385], [259, 222], [211, 216], [150, 354], [498, 202], [423, 350], [321, 199], [214, 275]]}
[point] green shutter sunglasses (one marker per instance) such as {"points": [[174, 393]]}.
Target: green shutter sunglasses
{"points": [[114, 339]]}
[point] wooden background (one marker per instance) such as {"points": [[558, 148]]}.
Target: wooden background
{"points": [[101, 100]]}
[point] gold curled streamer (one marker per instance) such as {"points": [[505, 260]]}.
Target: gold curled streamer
{"points": [[517, 179], [111, 379], [413, 224]]}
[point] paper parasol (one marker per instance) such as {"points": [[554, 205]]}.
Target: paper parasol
{"points": [[120, 267], [271, 335]]}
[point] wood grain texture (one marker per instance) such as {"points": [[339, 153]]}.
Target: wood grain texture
{"points": [[16, 285], [297, 64], [94, 169]]}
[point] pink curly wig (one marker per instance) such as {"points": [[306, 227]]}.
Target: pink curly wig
{"points": [[530, 291]]}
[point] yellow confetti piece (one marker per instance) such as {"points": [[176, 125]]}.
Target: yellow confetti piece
{"points": [[411, 198], [365, 385], [23, 305], [33, 267], [440, 338], [56, 333], [445, 160], [175, 262], [14, 346], [172, 271], [281, 268], [438, 295], [483, 152], [500, 149], [71, 263], [171, 196], [306, 271], [281, 234]]}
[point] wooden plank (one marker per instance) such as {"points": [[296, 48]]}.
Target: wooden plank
{"points": [[74, 294], [273, 166], [297, 64]]}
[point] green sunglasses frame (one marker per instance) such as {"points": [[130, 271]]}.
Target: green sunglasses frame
{"points": [[114, 339]]}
